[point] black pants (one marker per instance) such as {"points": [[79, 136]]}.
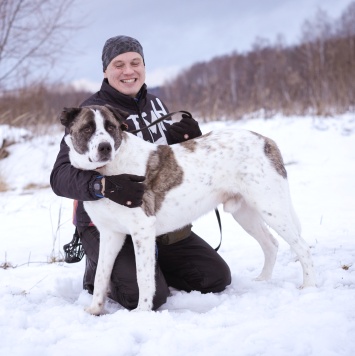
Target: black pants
{"points": [[189, 264]]}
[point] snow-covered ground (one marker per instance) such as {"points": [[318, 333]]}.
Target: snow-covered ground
{"points": [[42, 303]]}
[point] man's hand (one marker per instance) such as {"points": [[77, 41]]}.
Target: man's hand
{"points": [[184, 130], [125, 189]]}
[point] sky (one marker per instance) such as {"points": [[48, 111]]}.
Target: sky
{"points": [[176, 34], [42, 304]]}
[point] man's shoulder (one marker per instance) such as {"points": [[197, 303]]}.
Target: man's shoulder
{"points": [[94, 99], [151, 95], [151, 98]]}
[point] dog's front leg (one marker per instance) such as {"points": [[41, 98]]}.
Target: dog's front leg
{"points": [[144, 246], [110, 245]]}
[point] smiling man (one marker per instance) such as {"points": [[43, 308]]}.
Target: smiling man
{"points": [[126, 71], [184, 260]]}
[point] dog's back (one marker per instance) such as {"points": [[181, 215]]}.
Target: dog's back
{"points": [[217, 168]]}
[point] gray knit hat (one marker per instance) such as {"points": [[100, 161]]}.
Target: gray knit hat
{"points": [[118, 45]]}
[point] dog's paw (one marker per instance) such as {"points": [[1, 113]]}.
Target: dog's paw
{"points": [[262, 277], [94, 310], [142, 308], [307, 285]]}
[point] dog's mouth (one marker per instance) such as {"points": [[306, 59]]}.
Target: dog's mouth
{"points": [[100, 161], [101, 158], [97, 164]]}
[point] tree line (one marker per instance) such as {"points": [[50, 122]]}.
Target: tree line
{"points": [[34, 34], [316, 76]]}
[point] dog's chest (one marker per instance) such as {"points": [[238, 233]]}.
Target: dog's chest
{"points": [[106, 214]]}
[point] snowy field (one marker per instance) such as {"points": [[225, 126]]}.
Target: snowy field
{"points": [[42, 303]]}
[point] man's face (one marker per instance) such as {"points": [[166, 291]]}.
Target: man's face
{"points": [[126, 73]]}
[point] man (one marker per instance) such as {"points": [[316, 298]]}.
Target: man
{"points": [[184, 260]]}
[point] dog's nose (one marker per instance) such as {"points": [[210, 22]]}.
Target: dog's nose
{"points": [[104, 147]]}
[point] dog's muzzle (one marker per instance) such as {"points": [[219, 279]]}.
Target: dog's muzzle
{"points": [[104, 151]]}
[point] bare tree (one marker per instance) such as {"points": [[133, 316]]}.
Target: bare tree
{"points": [[32, 35]]}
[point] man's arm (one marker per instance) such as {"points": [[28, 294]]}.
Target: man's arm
{"points": [[70, 182]]}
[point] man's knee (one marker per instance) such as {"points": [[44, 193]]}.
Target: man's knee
{"points": [[130, 301], [215, 281]]}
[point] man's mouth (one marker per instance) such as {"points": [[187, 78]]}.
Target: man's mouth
{"points": [[128, 80]]}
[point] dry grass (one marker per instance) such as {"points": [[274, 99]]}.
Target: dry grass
{"points": [[3, 185], [35, 186], [37, 106], [346, 267]]}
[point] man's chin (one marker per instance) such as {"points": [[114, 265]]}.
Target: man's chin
{"points": [[130, 89]]}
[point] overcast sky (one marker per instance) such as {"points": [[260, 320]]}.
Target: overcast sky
{"points": [[178, 33]]}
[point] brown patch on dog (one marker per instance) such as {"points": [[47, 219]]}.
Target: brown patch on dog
{"points": [[191, 145], [162, 174], [81, 129], [273, 153]]}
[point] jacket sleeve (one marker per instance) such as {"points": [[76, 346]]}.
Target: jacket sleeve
{"points": [[70, 182]]}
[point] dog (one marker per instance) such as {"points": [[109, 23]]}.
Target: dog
{"points": [[240, 169]]}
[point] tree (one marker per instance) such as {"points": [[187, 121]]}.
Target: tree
{"points": [[32, 35]]}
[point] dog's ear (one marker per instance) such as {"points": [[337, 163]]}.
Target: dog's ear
{"points": [[119, 115], [68, 115]]}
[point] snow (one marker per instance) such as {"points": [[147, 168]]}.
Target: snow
{"points": [[42, 303]]}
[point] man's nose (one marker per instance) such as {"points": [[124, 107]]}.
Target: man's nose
{"points": [[128, 70]]}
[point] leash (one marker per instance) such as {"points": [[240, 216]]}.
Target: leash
{"points": [[162, 118], [220, 229]]}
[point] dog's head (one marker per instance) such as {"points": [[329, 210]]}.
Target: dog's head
{"points": [[95, 134]]}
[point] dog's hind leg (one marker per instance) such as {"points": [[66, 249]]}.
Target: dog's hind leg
{"points": [[250, 220], [276, 210], [110, 245], [285, 223]]}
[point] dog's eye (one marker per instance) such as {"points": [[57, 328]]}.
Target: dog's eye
{"points": [[110, 127], [86, 129]]}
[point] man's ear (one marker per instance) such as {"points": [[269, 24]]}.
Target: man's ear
{"points": [[68, 115], [120, 116]]}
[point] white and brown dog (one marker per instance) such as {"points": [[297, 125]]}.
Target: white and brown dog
{"points": [[240, 169]]}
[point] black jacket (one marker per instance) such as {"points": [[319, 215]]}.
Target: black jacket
{"points": [[70, 182]]}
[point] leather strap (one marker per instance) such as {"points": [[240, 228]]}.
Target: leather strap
{"points": [[175, 236], [220, 228], [160, 119]]}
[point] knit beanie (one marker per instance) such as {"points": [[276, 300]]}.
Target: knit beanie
{"points": [[118, 45]]}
